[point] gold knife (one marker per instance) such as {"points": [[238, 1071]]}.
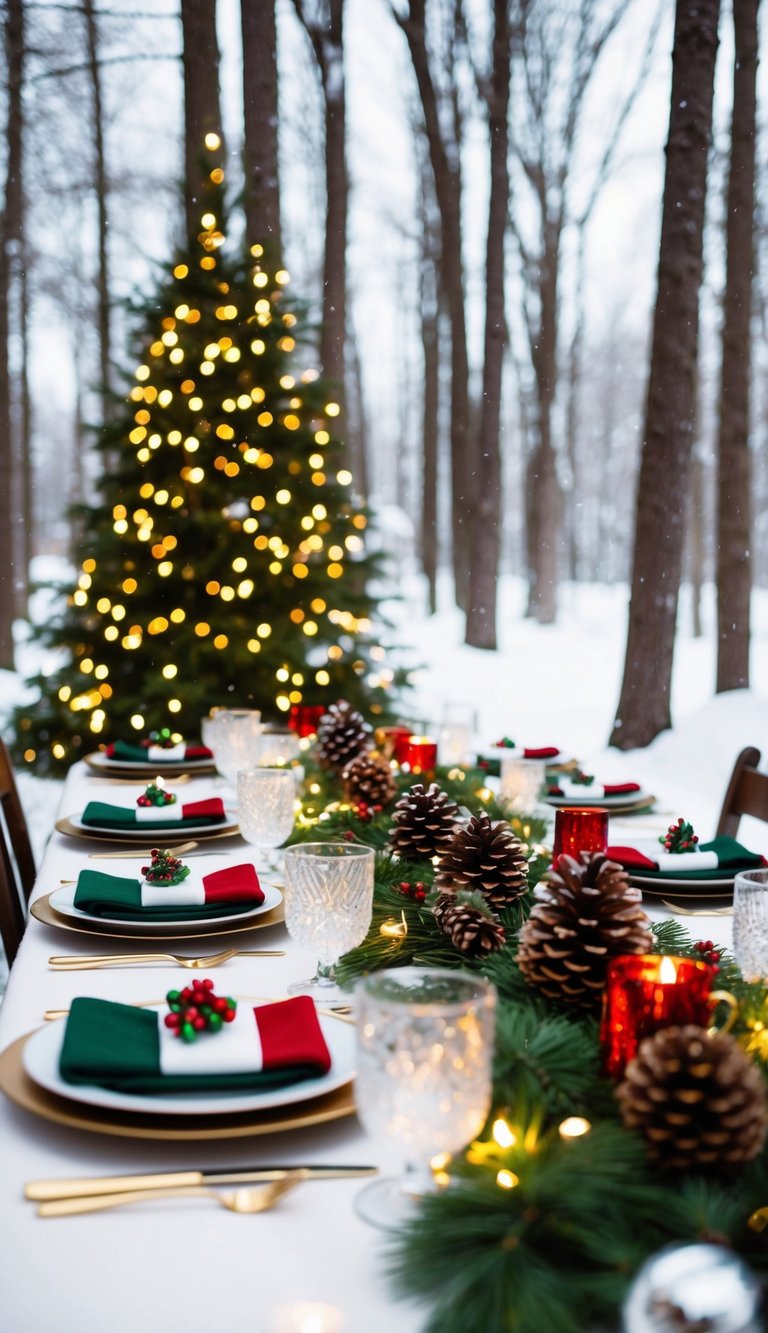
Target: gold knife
{"points": [[87, 1188]]}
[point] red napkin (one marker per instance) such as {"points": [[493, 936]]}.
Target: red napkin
{"points": [[546, 752], [233, 884], [290, 1034], [609, 789]]}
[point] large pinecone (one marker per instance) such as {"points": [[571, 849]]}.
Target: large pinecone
{"points": [[488, 857], [469, 923], [585, 915], [369, 778], [342, 735], [422, 822], [696, 1097]]}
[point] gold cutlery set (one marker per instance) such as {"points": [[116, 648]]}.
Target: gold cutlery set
{"points": [[67, 1198]]}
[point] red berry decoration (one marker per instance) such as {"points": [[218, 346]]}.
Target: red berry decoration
{"points": [[196, 1009], [417, 891], [164, 869], [504, 744], [680, 837], [154, 795]]}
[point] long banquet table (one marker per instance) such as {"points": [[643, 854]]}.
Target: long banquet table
{"points": [[182, 1264], [187, 1264]]}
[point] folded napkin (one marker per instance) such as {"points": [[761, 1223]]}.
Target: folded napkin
{"points": [[708, 862], [221, 893], [156, 754], [98, 814], [593, 791], [545, 752], [129, 1049]]}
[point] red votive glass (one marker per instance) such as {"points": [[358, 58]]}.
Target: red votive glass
{"points": [[420, 754], [304, 718], [647, 992], [393, 741], [579, 830]]}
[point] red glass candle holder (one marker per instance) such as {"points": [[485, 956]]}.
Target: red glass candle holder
{"points": [[647, 992], [579, 830], [304, 718], [420, 754], [393, 742]]}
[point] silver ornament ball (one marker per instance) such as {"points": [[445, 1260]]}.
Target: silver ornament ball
{"points": [[694, 1289]]}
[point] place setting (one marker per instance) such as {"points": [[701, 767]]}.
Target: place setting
{"points": [[161, 749], [158, 809], [203, 1063], [679, 865]]}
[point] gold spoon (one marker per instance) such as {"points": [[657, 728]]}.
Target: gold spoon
{"points": [[698, 911], [86, 962], [258, 1199], [142, 853]]}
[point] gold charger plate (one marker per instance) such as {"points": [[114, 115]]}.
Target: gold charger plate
{"points": [[153, 836], [19, 1088], [42, 911], [126, 769]]}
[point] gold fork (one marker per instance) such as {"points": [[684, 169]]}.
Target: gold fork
{"points": [[698, 911], [86, 962], [256, 1199]]}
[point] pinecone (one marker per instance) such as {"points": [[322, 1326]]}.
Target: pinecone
{"points": [[696, 1097], [487, 857], [469, 923], [586, 914], [369, 778], [342, 735], [422, 823]]}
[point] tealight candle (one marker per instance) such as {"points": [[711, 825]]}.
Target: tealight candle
{"points": [[645, 993], [306, 1317], [420, 754], [579, 830]]}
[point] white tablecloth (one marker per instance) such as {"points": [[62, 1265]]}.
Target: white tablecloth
{"points": [[181, 1265]]}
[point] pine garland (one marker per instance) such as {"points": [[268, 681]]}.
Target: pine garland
{"points": [[558, 1249]]}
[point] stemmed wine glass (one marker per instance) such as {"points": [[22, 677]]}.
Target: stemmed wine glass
{"points": [[265, 807], [328, 907], [423, 1080]]}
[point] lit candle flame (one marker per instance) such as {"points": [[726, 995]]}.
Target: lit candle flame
{"points": [[667, 972]]}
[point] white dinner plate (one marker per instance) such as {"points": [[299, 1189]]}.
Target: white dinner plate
{"points": [[63, 901], [714, 887], [150, 832], [41, 1062], [100, 761], [633, 798]]}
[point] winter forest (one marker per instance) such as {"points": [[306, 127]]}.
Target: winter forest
{"points": [[527, 239]]}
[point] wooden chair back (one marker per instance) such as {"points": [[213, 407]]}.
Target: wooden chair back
{"points": [[17, 863], [746, 793]]}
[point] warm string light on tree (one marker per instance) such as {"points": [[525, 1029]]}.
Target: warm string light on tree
{"points": [[226, 561]]}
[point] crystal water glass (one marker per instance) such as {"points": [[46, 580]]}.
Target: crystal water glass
{"points": [[750, 923], [423, 1081], [456, 733], [522, 781], [233, 733], [265, 807], [328, 907]]}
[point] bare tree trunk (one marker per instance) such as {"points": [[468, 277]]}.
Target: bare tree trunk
{"points": [[25, 465], [262, 168], [14, 242], [202, 113], [10, 243], [429, 292], [101, 186], [446, 169], [545, 492], [324, 25], [644, 703], [486, 537], [734, 560], [696, 547]]}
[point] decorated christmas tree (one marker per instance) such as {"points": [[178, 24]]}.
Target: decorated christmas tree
{"points": [[223, 562]]}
